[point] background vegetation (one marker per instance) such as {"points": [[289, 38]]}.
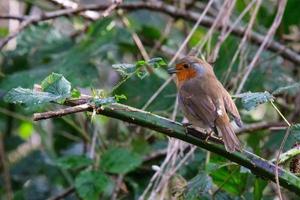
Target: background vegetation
{"points": [[108, 52]]}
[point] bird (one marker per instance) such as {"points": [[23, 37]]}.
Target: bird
{"points": [[204, 101]]}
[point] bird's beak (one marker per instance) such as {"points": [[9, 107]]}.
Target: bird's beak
{"points": [[172, 70]]}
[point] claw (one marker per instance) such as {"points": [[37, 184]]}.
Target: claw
{"points": [[187, 126], [209, 133]]}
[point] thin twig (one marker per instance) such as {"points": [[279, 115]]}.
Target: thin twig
{"points": [[259, 126], [224, 34], [287, 133], [198, 47], [161, 88], [254, 37], [244, 39], [266, 42], [117, 187]]}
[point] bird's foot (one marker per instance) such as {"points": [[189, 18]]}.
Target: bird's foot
{"points": [[187, 126], [209, 133]]}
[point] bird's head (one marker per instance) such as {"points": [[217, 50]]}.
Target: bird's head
{"points": [[190, 67]]}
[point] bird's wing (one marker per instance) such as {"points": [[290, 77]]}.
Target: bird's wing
{"points": [[198, 104], [231, 108]]}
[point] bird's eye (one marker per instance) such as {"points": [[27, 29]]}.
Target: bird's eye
{"points": [[185, 66]]}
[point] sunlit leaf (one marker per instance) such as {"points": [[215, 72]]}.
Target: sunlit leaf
{"points": [[120, 97], [25, 130], [75, 93]]}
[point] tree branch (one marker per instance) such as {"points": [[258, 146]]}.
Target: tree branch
{"points": [[257, 165], [254, 37]]}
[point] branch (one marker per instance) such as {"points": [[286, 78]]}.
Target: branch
{"points": [[257, 165], [254, 37], [259, 126]]}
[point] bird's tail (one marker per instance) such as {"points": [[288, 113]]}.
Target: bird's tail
{"points": [[230, 139]]}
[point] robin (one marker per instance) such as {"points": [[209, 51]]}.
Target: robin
{"points": [[204, 101]]}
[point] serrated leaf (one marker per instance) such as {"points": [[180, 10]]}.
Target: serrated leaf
{"points": [[104, 101], [124, 69], [29, 97], [120, 161], [251, 100], [90, 184], [294, 88], [73, 162], [57, 84], [198, 185]]}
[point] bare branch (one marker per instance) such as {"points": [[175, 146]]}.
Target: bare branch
{"points": [[257, 165], [265, 43], [254, 37]]}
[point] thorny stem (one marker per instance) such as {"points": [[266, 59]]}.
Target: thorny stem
{"points": [[257, 165]]}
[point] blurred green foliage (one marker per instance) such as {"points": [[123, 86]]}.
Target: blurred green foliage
{"points": [[104, 58]]}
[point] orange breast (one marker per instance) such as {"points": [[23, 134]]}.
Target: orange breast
{"points": [[184, 75]]}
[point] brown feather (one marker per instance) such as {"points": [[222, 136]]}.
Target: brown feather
{"points": [[204, 100]]}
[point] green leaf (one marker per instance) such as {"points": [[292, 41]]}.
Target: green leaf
{"points": [[124, 69], [295, 131], [25, 130], [230, 179], [198, 186], [120, 160], [73, 162], [75, 93], [157, 62], [29, 97], [90, 184], [119, 97], [259, 186], [103, 101], [293, 89], [251, 100], [57, 84]]}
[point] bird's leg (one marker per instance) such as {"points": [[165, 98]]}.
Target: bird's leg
{"points": [[210, 132], [186, 125]]}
